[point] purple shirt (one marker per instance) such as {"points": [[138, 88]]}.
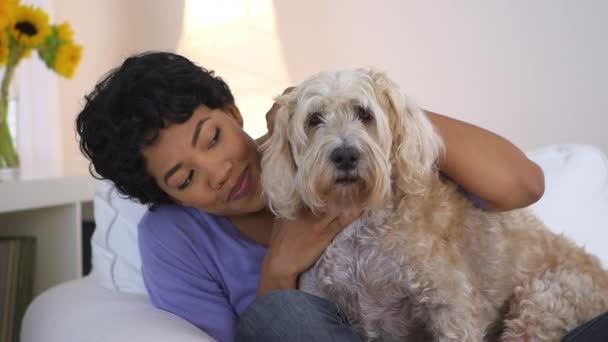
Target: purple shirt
{"points": [[199, 266]]}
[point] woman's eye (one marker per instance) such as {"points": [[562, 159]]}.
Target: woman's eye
{"points": [[215, 139], [363, 114], [187, 181], [315, 119]]}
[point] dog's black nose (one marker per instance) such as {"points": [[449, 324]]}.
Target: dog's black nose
{"points": [[345, 158]]}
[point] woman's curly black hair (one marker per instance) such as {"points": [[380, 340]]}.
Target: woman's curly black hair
{"points": [[128, 108]]}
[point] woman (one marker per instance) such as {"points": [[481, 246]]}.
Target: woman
{"points": [[168, 134]]}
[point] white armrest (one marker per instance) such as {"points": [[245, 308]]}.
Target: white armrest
{"points": [[576, 194], [83, 311]]}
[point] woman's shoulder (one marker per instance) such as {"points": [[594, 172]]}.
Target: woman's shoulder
{"points": [[174, 216], [176, 226], [191, 231], [173, 234]]}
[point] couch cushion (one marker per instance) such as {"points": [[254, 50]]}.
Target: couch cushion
{"points": [[116, 260]]}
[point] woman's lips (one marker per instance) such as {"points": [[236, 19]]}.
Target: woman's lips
{"points": [[241, 188]]}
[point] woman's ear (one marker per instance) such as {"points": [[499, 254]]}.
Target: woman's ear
{"points": [[233, 111]]}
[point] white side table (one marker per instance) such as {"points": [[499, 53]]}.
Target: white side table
{"points": [[51, 209]]}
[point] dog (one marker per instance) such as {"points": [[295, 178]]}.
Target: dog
{"points": [[422, 262]]}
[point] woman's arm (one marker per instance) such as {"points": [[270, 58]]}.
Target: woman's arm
{"points": [[488, 165]]}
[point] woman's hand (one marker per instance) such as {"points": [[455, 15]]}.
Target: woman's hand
{"points": [[295, 245]]}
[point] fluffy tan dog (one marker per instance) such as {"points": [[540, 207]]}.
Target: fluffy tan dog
{"points": [[423, 263]]}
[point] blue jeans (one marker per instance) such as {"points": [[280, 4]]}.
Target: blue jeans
{"points": [[596, 330], [293, 315]]}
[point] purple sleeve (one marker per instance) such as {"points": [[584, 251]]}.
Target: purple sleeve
{"points": [[475, 200], [176, 282]]}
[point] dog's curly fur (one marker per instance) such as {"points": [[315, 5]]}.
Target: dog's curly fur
{"points": [[423, 263]]}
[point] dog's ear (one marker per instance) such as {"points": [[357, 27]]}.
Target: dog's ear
{"points": [[278, 167], [416, 146]]}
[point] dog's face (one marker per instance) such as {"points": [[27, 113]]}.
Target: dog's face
{"points": [[338, 141]]}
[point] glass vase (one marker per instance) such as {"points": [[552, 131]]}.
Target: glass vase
{"points": [[9, 157]]}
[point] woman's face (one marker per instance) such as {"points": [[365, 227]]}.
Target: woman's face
{"points": [[208, 162]]}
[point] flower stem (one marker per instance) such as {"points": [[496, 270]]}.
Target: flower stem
{"points": [[6, 80], [8, 154]]}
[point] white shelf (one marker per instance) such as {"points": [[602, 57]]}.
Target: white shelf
{"points": [[45, 192], [51, 210]]}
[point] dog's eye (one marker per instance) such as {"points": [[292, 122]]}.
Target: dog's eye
{"points": [[363, 114], [315, 119]]}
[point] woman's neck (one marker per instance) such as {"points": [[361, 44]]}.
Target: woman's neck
{"points": [[255, 226]]}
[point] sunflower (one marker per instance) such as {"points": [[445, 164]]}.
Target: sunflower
{"points": [[65, 33], [3, 48], [67, 59], [7, 11], [30, 26]]}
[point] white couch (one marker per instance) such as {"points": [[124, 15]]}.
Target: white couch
{"points": [[111, 304]]}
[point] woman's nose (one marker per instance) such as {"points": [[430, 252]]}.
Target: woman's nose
{"points": [[220, 175]]}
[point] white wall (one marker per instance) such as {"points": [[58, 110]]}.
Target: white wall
{"points": [[534, 72], [109, 30]]}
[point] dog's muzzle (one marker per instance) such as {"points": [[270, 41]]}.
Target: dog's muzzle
{"points": [[345, 158]]}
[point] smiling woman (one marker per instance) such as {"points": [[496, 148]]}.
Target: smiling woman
{"points": [[154, 101], [208, 162]]}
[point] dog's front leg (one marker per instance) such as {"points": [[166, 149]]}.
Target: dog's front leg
{"points": [[453, 324], [450, 310]]}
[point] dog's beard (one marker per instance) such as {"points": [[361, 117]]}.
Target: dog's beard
{"points": [[324, 188]]}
